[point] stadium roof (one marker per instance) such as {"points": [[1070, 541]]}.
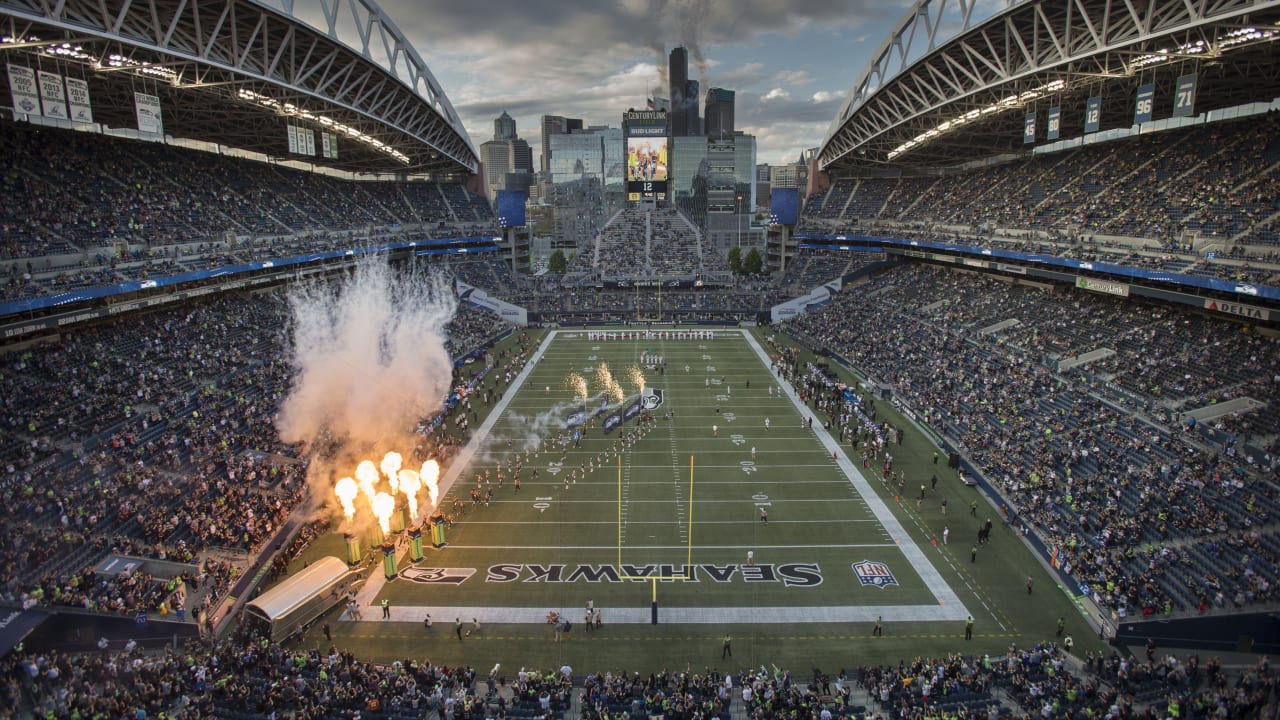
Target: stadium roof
{"points": [[928, 101], [238, 72]]}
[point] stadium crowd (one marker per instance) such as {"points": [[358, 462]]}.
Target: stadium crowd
{"points": [[167, 209], [1210, 181], [1078, 454], [153, 436], [247, 677]]}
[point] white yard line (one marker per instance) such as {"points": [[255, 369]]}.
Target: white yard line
{"points": [[947, 598], [949, 606]]}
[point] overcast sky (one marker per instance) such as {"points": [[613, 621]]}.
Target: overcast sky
{"points": [[791, 61]]}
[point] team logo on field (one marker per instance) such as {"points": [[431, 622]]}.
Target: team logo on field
{"points": [[874, 573], [651, 398], [437, 576]]}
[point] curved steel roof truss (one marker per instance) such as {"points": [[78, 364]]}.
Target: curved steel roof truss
{"points": [[1022, 53], [264, 55]]}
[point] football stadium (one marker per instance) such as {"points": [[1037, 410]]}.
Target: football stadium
{"points": [[312, 411]]}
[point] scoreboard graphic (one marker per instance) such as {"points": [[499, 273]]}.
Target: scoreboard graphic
{"points": [[648, 159]]}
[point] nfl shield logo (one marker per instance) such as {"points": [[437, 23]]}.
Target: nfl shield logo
{"points": [[874, 573]]}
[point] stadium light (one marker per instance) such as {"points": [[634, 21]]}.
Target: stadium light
{"points": [[1005, 103], [289, 108], [116, 61]]}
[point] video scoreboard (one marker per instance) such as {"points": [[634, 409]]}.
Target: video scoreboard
{"points": [[648, 158]]}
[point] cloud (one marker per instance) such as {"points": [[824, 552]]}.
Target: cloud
{"points": [[823, 96], [776, 94], [593, 60], [793, 77]]}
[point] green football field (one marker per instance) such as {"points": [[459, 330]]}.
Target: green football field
{"points": [[659, 523]]}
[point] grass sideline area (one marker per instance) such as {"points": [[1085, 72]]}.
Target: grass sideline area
{"points": [[799, 602]]}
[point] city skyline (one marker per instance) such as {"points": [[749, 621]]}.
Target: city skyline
{"points": [[790, 62]]}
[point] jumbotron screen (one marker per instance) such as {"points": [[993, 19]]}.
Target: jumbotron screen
{"points": [[647, 159]]}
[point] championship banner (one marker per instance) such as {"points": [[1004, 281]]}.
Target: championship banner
{"points": [[78, 100], [292, 133], [22, 88], [308, 141], [324, 145], [52, 96], [333, 146], [150, 118]]}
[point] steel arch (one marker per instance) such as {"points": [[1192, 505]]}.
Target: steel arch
{"points": [[355, 65], [909, 89]]}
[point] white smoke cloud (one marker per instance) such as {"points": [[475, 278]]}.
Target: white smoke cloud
{"points": [[368, 356]]}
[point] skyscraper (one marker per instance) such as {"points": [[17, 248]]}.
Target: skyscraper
{"points": [[719, 112], [507, 159], [504, 127], [693, 120], [555, 125], [678, 79]]}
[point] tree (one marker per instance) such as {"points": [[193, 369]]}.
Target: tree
{"points": [[753, 264], [735, 259], [557, 263]]}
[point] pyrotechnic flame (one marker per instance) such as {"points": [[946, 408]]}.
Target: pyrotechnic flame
{"points": [[367, 474], [390, 466], [383, 504], [430, 476], [577, 384], [604, 378], [637, 378], [346, 490], [410, 484]]}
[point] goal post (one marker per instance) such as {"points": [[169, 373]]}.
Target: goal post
{"points": [[654, 579]]}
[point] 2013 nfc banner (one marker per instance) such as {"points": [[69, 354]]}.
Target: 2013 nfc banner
{"points": [[52, 97]]}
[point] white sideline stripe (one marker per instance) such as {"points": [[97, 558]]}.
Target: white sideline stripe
{"points": [[792, 615], [613, 523], [915, 556], [667, 501], [451, 546]]}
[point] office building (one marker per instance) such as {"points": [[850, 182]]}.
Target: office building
{"points": [[677, 80], [713, 183], [587, 182], [507, 159], [718, 114], [504, 127], [554, 125]]}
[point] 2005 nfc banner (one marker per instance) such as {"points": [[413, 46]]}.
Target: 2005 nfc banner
{"points": [[22, 88]]}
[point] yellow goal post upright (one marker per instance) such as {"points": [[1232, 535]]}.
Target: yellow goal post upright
{"points": [[653, 579], [640, 314]]}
